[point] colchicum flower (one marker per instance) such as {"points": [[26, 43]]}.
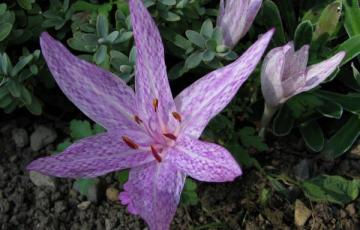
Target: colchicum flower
{"points": [[148, 131], [235, 19], [284, 74]]}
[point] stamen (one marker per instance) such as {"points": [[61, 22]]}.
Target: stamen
{"points": [[137, 119], [177, 116], [170, 136], [130, 142], [155, 153], [155, 103]]}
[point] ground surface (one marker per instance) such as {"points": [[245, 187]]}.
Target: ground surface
{"points": [[222, 206]]}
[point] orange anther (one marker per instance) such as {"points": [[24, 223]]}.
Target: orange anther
{"points": [[130, 142], [155, 103], [170, 136], [155, 153], [137, 119], [177, 116]]}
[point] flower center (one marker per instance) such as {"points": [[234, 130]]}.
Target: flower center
{"points": [[163, 138]]}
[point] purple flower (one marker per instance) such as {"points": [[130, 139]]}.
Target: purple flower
{"points": [[235, 19], [148, 131], [284, 74]]}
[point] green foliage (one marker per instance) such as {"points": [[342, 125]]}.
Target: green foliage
{"points": [[189, 195], [334, 189]]}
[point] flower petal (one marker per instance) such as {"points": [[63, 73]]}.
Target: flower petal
{"points": [[251, 12], [153, 192], [232, 20], [151, 84], [295, 62], [317, 73], [102, 96], [205, 98], [95, 156], [271, 74], [203, 161]]}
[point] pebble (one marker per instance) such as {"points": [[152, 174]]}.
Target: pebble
{"points": [[84, 205], [302, 170], [302, 213], [112, 194], [59, 207], [40, 180], [41, 137], [350, 209], [20, 137], [94, 192]]}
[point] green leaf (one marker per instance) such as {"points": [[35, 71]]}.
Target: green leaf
{"points": [[313, 136], [349, 102], [328, 20], [352, 19], [194, 59], [207, 29], [5, 101], [269, 16], [25, 96], [98, 129], [241, 155], [196, 38], [123, 176], [83, 185], [168, 2], [190, 185], [351, 47], [21, 64], [63, 145], [169, 16], [80, 129], [208, 55], [3, 92], [3, 8], [102, 26], [334, 189], [13, 87], [303, 34], [343, 139], [330, 109], [249, 138], [100, 55], [25, 4], [5, 29], [35, 106], [283, 122]]}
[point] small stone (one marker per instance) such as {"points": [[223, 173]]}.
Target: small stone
{"points": [[84, 205], [342, 214], [351, 209], [94, 192], [59, 207], [302, 170], [20, 137], [112, 194], [355, 151], [40, 180], [41, 137], [108, 224], [302, 213]]}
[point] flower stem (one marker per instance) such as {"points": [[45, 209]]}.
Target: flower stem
{"points": [[266, 118]]}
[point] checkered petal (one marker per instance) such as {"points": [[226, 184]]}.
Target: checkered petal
{"points": [[203, 161], [317, 73], [153, 192], [95, 156], [99, 94], [205, 98], [235, 19], [151, 82]]}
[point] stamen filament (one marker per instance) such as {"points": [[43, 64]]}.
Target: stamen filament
{"points": [[177, 116], [130, 142], [155, 103], [137, 119], [170, 136], [155, 153]]}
